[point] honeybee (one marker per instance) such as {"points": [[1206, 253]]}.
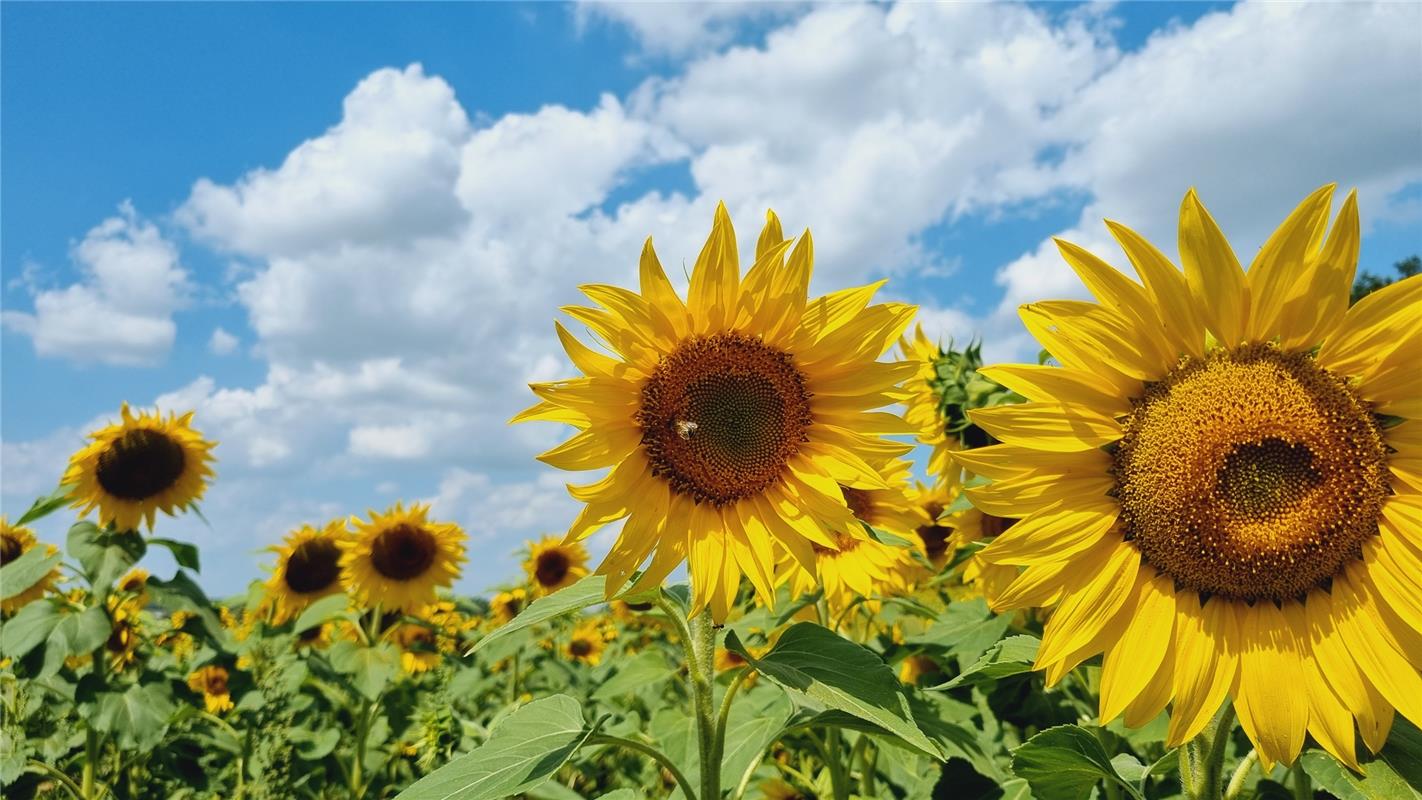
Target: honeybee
{"points": [[685, 428]]}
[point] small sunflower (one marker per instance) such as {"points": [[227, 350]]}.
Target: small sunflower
{"points": [[308, 568], [924, 406], [135, 582], [140, 466], [586, 643], [935, 536], [506, 605], [980, 577], [397, 559], [730, 420], [211, 683], [15, 542], [176, 640], [419, 650], [121, 647], [1220, 486], [553, 564], [917, 668]]}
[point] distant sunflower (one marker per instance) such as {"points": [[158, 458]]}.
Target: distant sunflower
{"points": [[552, 564], [980, 577], [211, 683], [135, 582], [586, 643], [506, 605], [15, 542], [140, 466], [1221, 487], [308, 568], [731, 420], [924, 405], [919, 669], [398, 559], [121, 648], [935, 536], [419, 651]]}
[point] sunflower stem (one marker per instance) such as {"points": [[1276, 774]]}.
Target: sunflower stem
{"points": [[701, 650], [1302, 786], [1202, 758], [839, 777], [1241, 776], [652, 752]]}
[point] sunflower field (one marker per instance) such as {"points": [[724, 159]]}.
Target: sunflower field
{"points": [[1180, 556]]}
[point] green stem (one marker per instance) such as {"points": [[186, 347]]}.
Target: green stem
{"points": [[1202, 758], [653, 753], [513, 680], [91, 757], [725, 714], [839, 780], [1241, 776], [702, 651], [1302, 786], [65, 780]]}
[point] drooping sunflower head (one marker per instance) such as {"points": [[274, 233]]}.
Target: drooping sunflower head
{"points": [[211, 682], [505, 605], [308, 567], [396, 560], [586, 643], [730, 420], [553, 564], [15, 542], [1219, 487], [121, 648], [139, 466]]}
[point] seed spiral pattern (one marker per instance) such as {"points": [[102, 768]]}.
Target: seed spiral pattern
{"points": [[1251, 474], [314, 565], [140, 464], [403, 551], [722, 415]]}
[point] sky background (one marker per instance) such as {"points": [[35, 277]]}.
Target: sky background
{"points": [[341, 232]]}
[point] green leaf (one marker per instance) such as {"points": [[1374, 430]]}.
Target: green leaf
{"points": [[323, 610], [1396, 772], [28, 628], [370, 668], [965, 630], [75, 634], [1064, 763], [1011, 656], [184, 553], [522, 751], [314, 745], [45, 506], [27, 570], [104, 555], [755, 721], [839, 674], [138, 716], [180, 593], [646, 669], [589, 591]]}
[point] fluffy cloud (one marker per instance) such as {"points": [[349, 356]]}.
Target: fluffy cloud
{"points": [[678, 29], [222, 343]]}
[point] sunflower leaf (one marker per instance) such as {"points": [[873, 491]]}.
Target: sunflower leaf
{"points": [[589, 591], [138, 717], [46, 505], [180, 593], [1066, 763], [323, 610], [522, 751], [26, 571], [104, 555], [1395, 772], [370, 668], [1011, 656], [28, 628], [184, 553]]}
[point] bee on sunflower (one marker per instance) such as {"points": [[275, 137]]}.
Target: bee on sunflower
{"points": [[211, 683], [15, 542], [398, 559], [308, 568], [139, 466], [730, 420], [553, 564], [1219, 487]]}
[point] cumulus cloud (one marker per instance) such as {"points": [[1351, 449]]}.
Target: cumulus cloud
{"points": [[121, 309], [681, 28], [222, 343]]}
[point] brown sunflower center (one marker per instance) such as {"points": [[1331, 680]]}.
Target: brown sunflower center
{"points": [[860, 502], [313, 566], [722, 415], [140, 464], [1251, 474], [119, 638], [935, 540], [580, 647], [10, 548], [551, 567], [847, 544], [403, 552], [216, 682]]}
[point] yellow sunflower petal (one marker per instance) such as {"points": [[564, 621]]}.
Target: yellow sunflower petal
{"points": [[1216, 280]]}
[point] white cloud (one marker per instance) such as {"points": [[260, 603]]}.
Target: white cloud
{"points": [[222, 343], [121, 309], [682, 28]]}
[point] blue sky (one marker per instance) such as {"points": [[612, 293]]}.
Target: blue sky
{"points": [[395, 199]]}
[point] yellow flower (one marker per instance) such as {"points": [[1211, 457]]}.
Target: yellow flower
{"points": [[122, 644], [915, 669], [15, 542], [139, 466], [419, 651], [730, 421], [506, 605], [981, 576], [180, 643], [552, 564], [1221, 486], [308, 568], [135, 582], [934, 534], [586, 643], [924, 406], [399, 558], [211, 683]]}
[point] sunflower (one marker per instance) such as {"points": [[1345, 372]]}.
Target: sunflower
{"points": [[122, 645], [399, 558], [177, 640], [917, 669], [924, 406], [1221, 486], [135, 468], [980, 577], [135, 582], [731, 420], [552, 564], [933, 534], [211, 683], [419, 651], [586, 643], [15, 542], [506, 605], [308, 568]]}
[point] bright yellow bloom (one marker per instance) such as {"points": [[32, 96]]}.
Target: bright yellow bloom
{"points": [[731, 420], [553, 564], [397, 559], [122, 644], [308, 568], [135, 582], [586, 643], [419, 651], [15, 542], [914, 669], [211, 683], [1221, 486], [925, 406], [140, 466], [506, 605]]}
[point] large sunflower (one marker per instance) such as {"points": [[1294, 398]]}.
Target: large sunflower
{"points": [[553, 564], [731, 420], [139, 466], [396, 560], [15, 542], [308, 568], [1221, 487]]}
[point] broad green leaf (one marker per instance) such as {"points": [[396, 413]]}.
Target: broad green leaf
{"points": [[138, 717], [587, 592], [104, 555], [184, 553], [75, 633], [28, 628], [756, 720], [45, 506], [966, 630], [839, 674], [314, 745], [646, 669], [323, 610], [370, 668], [1011, 656], [27, 570], [180, 593], [522, 751], [1065, 763], [1396, 772]]}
